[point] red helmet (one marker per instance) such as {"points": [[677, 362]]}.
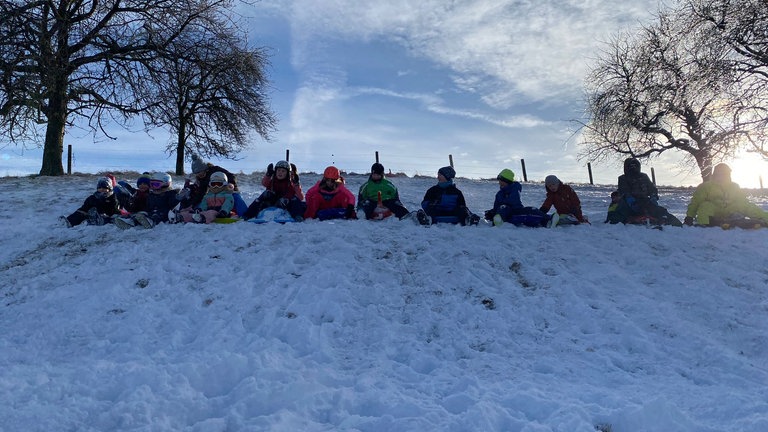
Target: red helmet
{"points": [[332, 173]]}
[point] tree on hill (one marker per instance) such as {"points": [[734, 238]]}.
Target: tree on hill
{"points": [[62, 61], [210, 90], [670, 87]]}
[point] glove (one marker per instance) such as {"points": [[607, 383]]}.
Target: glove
{"points": [[366, 203], [688, 221], [350, 213], [222, 214], [270, 170], [182, 194], [283, 203], [489, 214], [294, 174]]}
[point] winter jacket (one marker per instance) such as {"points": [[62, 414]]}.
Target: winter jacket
{"points": [[198, 190], [370, 190], [565, 201], [443, 199], [320, 199], [105, 206], [284, 188], [508, 196], [160, 202], [138, 201], [219, 199], [722, 199], [639, 187]]}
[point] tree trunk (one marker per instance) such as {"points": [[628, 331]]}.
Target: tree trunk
{"points": [[54, 132], [180, 144], [704, 162]]}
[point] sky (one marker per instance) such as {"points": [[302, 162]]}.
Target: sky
{"points": [[488, 83], [378, 326]]}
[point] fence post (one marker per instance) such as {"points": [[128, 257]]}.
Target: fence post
{"points": [[450, 160], [589, 168], [287, 155], [377, 156], [653, 176], [761, 182], [69, 159], [525, 174]]}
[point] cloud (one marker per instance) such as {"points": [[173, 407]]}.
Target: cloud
{"points": [[508, 49]]}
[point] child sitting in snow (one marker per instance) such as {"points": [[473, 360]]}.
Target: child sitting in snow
{"points": [[161, 200], [218, 201], [329, 198], [508, 207], [283, 190], [98, 208], [444, 202], [566, 202]]}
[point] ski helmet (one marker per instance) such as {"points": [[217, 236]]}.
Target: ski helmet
{"points": [[160, 180], [218, 177], [283, 164], [104, 183], [332, 173]]}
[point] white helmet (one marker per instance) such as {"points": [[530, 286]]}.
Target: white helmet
{"points": [[218, 177], [160, 177]]}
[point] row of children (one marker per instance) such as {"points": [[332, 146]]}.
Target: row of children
{"points": [[214, 194]]}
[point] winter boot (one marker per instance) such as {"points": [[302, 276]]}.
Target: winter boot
{"points": [[555, 220], [144, 220], [497, 220], [65, 221], [124, 222], [94, 218], [422, 217]]}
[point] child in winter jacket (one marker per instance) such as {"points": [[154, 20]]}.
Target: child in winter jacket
{"points": [[368, 195], [283, 190], [508, 207], [566, 202], [218, 202], [640, 198], [329, 198], [720, 201], [98, 208], [161, 200], [444, 202]]}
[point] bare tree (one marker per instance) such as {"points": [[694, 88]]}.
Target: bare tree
{"points": [[81, 58], [670, 87], [210, 89], [743, 25]]}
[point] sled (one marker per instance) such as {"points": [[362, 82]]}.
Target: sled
{"points": [[380, 212], [273, 214]]}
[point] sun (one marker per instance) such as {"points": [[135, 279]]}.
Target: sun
{"points": [[748, 169]]}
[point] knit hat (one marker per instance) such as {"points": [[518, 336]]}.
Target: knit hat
{"points": [[721, 169], [198, 165], [448, 172], [377, 168], [506, 175], [551, 180], [143, 179]]}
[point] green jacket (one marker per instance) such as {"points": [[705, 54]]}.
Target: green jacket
{"points": [[726, 198], [370, 189]]}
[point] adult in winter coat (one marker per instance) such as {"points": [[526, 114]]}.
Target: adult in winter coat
{"points": [[368, 194], [564, 199], [639, 197], [283, 190], [194, 191], [445, 203], [720, 201], [508, 207], [217, 203], [98, 208], [329, 198]]}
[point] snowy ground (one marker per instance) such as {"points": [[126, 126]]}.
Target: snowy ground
{"points": [[388, 326]]}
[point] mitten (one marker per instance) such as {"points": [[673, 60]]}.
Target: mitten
{"points": [[223, 214], [294, 174], [489, 214], [270, 170], [688, 220]]}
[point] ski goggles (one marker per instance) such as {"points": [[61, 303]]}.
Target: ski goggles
{"points": [[156, 184], [216, 184]]}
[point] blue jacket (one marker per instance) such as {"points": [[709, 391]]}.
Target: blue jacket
{"points": [[508, 196]]}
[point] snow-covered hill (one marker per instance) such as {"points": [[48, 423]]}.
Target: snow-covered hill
{"points": [[388, 326]]}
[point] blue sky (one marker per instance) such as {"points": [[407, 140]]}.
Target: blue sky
{"points": [[488, 82]]}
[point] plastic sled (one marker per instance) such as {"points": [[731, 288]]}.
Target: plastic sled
{"points": [[273, 214], [381, 212]]}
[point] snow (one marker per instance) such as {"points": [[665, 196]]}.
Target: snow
{"points": [[378, 326]]}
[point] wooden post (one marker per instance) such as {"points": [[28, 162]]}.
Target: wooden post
{"points": [[761, 182], [525, 174], [377, 156], [287, 155], [450, 160], [69, 159], [589, 168], [653, 176]]}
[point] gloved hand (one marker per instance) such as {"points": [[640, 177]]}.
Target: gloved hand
{"points": [[283, 203], [489, 214], [182, 194], [222, 214], [688, 221], [365, 203], [270, 170], [350, 213], [294, 174]]}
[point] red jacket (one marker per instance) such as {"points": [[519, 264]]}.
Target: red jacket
{"points": [[565, 201], [321, 199], [284, 188]]}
